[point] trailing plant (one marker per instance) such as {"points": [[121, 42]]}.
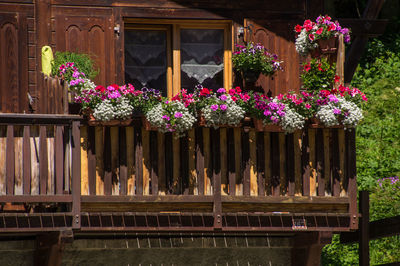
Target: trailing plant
{"points": [[318, 75]]}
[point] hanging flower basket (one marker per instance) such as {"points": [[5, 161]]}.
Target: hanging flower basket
{"points": [[326, 47]]}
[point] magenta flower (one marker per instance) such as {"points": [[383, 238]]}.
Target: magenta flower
{"points": [[223, 97], [214, 107], [221, 90], [337, 111], [178, 115], [223, 107], [165, 117]]}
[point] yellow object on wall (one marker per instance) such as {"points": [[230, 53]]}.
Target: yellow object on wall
{"points": [[47, 58]]}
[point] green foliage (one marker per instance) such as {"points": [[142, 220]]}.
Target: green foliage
{"points": [[83, 62], [378, 148], [318, 75]]}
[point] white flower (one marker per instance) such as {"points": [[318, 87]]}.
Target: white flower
{"points": [[303, 43], [224, 113], [292, 120], [106, 110]]}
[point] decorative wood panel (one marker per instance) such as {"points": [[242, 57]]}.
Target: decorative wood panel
{"points": [[278, 38], [88, 33]]}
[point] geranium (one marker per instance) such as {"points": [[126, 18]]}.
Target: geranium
{"points": [[318, 75], [171, 116], [254, 58], [322, 28]]}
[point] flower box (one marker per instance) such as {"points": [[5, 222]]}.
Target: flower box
{"points": [[259, 126], [113, 122], [147, 125]]}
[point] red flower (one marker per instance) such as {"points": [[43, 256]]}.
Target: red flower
{"points": [[337, 78], [115, 86], [320, 68], [307, 67], [319, 31], [176, 98], [325, 93], [238, 89], [298, 28], [100, 88], [204, 92], [311, 37]]}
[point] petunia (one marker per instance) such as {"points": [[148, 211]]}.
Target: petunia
{"points": [[223, 107]]}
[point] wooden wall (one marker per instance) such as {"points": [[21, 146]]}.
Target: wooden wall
{"points": [[88, 26]]}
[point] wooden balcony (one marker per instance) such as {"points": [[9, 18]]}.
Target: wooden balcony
{"points": [[57, 172]]}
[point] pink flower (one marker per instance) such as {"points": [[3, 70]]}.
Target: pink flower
{"points": [[214, 107], [165, 117], [308, 106], [319, 31], [311, 37], [223, 107], [178, 115], [223, 97]]}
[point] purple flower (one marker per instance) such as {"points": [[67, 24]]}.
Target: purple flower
{"points": [[280, 113], [178, 115], [223, 107], [337, 111], [214, 107], [165, 117], [75, 74], [267, 113], [114, 95], [221, 90], [333, 98], [223, 97]]}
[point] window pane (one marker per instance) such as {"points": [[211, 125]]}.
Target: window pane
{"points": [[202, 58], [146, 59]]}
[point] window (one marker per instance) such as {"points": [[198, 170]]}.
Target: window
{"points": [[170, 55]]}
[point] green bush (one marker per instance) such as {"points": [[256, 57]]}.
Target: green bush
{"points": [[83, 62]]}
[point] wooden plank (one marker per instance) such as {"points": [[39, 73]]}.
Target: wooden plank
{"points": [[200, 160], [168, 163], [342, 175], [10, 163], [50, 159], [238, 160], [138, 161], [176, 180], [335, 163], [290, 167], [162, 190], [313, 170], [18, 139], [268, 161], [26, 160], [363, 248], [207, 162], [351, 171], [216, 176], [91, 146], [34, 141], [193, 185], [154, 163], [123, 167], [84, 161], [115, 179], [99, 136], [231, 161], [107, 162], [76, 174], [320, 163], [130, 160], [246, 163], [146, 161], [183, 166], [253, 163], [260, 163], [43, 160], [282, 164], [3, 161], [305, 165], [327, 161], [59, 160], [224, 161], [297, 163], [275, 164]]}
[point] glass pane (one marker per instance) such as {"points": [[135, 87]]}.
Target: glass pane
{"points": [[146, 59], [202, 58]]}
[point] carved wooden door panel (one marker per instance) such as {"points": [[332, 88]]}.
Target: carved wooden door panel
{"points": [[13, 62], [92, 35], [278, 37]]}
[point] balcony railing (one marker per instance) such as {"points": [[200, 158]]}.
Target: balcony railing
{"points": [[69, 174]]}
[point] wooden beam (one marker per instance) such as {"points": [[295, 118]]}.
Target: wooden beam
{"points": [[357, 48], [363, 247]]}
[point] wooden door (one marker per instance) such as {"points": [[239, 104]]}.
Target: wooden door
{"points": [[13, 62], [278, 37], [92, 35]]}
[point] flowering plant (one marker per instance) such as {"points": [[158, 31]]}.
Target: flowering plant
{"points": [[220, 109], [171, 116], [188, 99], [318, 75], [254, 58], [71, 74], [322, 29]]}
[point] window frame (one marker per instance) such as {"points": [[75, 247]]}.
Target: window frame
{"points": [[173, 27]]}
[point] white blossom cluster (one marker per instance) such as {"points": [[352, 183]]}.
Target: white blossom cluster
{"points": [[225, 113], [107, 110], [303, 43], [292, 120], [171, 117], [342, 112]]}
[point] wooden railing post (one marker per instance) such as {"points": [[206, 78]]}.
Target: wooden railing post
{"points": [[363, 248], [350, 140], [216, 166], [76, 174]]}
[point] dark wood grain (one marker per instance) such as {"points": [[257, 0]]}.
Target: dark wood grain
{"points": [[27, 161], [169, 163], [260, 163], [275, 164], [319, 147], [76, 174], [335, 163], [123, 167], [231, 162], [59, 159], [107, 162], [10, 160], [246, 163], [184, 165], [92, 160], [305, 167], [154, 162], [290, 164], [43, 160], [200, 159]]}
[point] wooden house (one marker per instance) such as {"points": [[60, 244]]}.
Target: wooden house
{"points": [[64, 181]]}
